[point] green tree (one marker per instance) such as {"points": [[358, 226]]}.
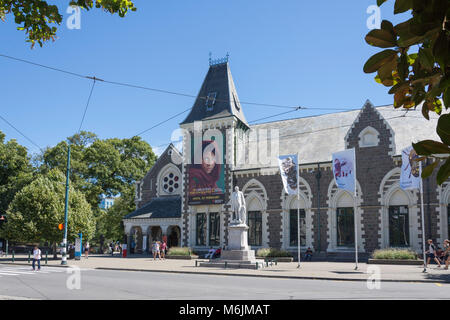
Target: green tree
{"points": [[107, 167], [15, 170], [110, 221], [415, 65], [39, 19], [36, 211]]}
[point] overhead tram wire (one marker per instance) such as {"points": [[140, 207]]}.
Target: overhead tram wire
{"points": [[22, 134], [162, 122], [87, 103], [165, 91]]}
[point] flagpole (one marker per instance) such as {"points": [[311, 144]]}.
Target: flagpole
{"points": [[298, 210], [356, 232], [423, 220], [354, 214]]}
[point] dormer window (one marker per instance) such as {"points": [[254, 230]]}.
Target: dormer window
{"points": [[369, 137], [210, 101], [236, 102]]}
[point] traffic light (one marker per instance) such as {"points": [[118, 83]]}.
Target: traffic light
{"points": [[60, 226]]}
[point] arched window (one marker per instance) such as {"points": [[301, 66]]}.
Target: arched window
{"points": [[345, 221], [254, 222], [293, 223], [169, 181]]}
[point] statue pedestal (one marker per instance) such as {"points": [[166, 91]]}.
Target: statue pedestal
{"points": [[238, 254]]}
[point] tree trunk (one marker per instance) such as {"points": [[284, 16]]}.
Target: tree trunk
{"points": [[55, 255]]}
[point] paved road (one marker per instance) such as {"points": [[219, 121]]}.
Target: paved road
{"points": [[51, 283]]}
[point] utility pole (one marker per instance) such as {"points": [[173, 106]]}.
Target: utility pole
{"points": [[64, 248]]}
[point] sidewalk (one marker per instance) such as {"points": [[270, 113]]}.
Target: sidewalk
{"points": [[341, 271]]}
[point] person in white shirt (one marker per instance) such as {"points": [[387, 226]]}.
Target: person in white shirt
{"points": [[86, 250], [36, 257]]}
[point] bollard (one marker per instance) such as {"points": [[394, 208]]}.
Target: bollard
{"points": [[256, 265], [13, 256], [46, 257], [195, 263], [29, 255], [225, 264]]}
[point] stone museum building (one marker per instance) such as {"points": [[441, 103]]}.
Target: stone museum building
{"points": [[187, 202]]}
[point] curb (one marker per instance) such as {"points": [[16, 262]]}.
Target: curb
{"points": [[248, 275], [272, 276]]}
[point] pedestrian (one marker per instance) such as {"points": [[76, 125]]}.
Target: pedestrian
{"points": [[446, 253], [86, 250], [431, 253], [111, 245], [36, 257], [155, 250], [163, 250], [308, 254]]}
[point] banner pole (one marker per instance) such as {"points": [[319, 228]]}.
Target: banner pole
{"points": [[298, 208], [356, 234], [423, 220], [355, 213]]}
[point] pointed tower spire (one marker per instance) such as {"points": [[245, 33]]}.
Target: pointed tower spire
{"points": [[217, 97]]}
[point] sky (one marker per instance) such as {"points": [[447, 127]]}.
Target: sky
{"points": [[290, 52]]}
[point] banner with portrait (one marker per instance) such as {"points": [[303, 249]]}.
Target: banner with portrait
{"points": [[288, 169], [344, 170], [410, 175], [206, 172]]}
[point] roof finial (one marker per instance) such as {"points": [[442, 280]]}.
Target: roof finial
{"points": [[210, 58], [214, 62]]}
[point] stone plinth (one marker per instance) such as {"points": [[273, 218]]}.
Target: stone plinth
{"points": [[238, 253]]}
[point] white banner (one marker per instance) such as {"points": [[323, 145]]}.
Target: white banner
{"points": [[288, 169], [410, 174], [344, 170]]}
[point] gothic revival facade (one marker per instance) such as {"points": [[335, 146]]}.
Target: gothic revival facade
{"points": [[168, 206]]}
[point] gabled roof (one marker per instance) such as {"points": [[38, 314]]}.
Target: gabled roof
{"points": [[219, 81], [158, 208], [315, 138]]}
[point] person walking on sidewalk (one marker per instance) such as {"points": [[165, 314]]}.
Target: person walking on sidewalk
{"points": [[86, 250], [155, 250], [36, 257], [446, 253], [163, 250], [431, 253]]}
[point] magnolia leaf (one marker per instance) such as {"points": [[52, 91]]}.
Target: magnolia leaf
{"points": [[378, 59], [381, 38], [402, 6], [446, 98], [388, 26], [443, 128], [430, 147], [428, 170], [444, 172], [426, 58]]}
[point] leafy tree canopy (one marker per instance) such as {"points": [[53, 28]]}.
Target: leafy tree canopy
{"points": [[36, 211], [15, 170], [415, 65], [39, 18]]}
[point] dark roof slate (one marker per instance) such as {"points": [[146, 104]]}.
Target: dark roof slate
{"points": [[219, 80], [158, 208]]}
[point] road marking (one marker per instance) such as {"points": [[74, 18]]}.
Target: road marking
{"points": [[438, 284], [9, 274]]}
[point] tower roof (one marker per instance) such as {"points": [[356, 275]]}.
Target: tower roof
{"points": [[217, 97]]}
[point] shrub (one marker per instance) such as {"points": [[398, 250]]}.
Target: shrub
{"points": [[391, 253], [178, 251], [272, 253]]}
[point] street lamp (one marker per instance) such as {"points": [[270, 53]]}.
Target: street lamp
{"points": [[2, 221]]}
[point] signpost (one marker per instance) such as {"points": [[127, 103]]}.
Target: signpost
{"points": [[78, 244]]}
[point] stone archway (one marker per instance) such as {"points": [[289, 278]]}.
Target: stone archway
{"points": [[173, 236], [155, 233]]}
